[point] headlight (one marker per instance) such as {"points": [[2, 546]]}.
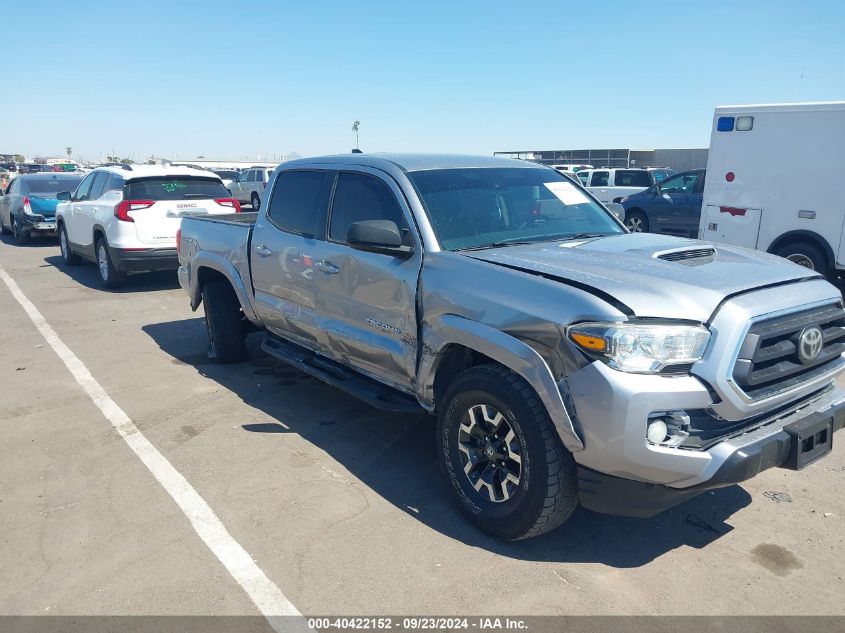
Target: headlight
{"points": [[641, 348]]}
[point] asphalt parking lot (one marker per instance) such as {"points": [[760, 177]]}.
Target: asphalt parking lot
{"points": [[341, 506]]}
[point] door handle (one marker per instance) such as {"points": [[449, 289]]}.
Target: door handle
{"points": [[263, 251], [327, 267]]}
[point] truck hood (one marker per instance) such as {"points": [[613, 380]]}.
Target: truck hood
{"points": [[651, 275]]}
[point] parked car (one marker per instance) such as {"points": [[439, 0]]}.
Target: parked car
{"points": [[755, 198], [566, 359], [660, 173], [672, 207], [571, 168], [28, 206], [613, 184], [249, 185], [125, 218], [228, 176]]}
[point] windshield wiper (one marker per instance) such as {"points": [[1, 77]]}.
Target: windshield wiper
{"points": [[582, 236], [521, 241], [514, 241]]}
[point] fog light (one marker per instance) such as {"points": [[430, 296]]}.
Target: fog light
{"points": [[657, 431]]}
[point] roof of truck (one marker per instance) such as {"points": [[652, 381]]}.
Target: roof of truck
{"points": [[417, 162]]}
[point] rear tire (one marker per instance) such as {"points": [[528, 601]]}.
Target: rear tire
{"points": [[636, 221], [256, 201], [500, 453], [806, 255], [68, 256], [21, 235], [110, 276], [224, 323]]}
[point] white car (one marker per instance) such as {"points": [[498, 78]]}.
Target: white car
{"points": [[125, 218], [571, 168], [250, 184], [611, 184]]}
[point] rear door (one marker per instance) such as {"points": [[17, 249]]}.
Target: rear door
{"points": [[157, 204], [367, 301], [283, 255], [599, 183]]}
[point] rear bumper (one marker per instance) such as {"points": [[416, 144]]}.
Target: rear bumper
{"points": [[783, 447], [39, 224], [151, 259]]}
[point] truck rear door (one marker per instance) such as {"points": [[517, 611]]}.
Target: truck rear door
{"points": [[283, 257]]}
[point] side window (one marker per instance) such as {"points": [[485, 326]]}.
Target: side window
{"points": [[250, 176], [360, 197], [583, 176], [682, 183], [84, 188], [14, 186], [114, 183], [99, 185], [699, 183], [296, 203], [600, 179], [631, 178]]}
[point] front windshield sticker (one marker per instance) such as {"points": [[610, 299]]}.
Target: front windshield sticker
{"points": [[566, 192]]}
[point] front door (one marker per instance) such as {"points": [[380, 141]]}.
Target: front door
{"points": [[368, 300], [75, 222], [675, 205]]}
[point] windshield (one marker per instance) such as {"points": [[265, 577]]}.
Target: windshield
{"points": [[228, 174], [176, 188], [475, 208], [46, 186]]}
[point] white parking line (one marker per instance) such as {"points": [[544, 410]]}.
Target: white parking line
{"points": [[262, 591]]}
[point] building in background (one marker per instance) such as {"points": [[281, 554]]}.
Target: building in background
{"points": [[677, 159]]}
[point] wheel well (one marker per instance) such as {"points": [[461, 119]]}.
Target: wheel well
{"points": [[98, 233], [804, 237], [206, 275], [456, 358], [634, 210]]}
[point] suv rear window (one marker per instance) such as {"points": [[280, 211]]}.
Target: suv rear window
{"points": [[52, 185], [175, 188], [631, 178]]}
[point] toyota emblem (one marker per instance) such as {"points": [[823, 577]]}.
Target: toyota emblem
{"points": [[810, 344]]}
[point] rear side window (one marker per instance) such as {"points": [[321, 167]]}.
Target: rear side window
{"points": [[296, 204], [631, 178], [41, 186], [600, 179], [361, 197], [115, 183], [176, 188]]}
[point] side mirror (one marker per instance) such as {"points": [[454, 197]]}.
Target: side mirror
{"points": [[63, 196], [616, 209], [377, 236]]}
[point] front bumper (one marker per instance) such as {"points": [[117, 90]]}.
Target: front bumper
{"points": [[144, 260], [786, 447]]}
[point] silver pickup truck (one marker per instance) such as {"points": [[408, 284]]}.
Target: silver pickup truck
{"points": [[567, 361]]}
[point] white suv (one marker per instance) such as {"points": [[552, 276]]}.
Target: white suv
{"points": [[125, 218], [249, 185], [612, 184]]}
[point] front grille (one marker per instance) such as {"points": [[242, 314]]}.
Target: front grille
{"points": [[768, 360]]}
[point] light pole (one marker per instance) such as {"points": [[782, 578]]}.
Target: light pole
{"points": [[355, 129]]}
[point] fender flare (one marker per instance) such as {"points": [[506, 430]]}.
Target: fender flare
{"points": [[226, 268], [442, 331]]}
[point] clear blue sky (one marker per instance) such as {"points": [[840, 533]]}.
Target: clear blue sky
{"points": [[235, 78]]}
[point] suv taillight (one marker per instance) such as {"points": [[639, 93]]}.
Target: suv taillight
{"points": [[121, 211], [229, 202]]}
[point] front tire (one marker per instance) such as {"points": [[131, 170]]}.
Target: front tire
{"points": [[110, 276], [500, 453], [224, 322], [636, 221], [68, 256], [256, 201]]}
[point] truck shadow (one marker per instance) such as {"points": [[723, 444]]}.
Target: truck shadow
{"points": [[86, 274], [394, 455]]}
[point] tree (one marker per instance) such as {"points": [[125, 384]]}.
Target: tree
{"points": [[19, 158], [69, 150]]}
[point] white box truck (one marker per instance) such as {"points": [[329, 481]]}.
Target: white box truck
{"points": [[776, 181]]}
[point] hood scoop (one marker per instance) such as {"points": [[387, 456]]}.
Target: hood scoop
{"points": [[688, 256]]}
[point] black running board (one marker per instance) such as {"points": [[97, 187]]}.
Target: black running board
{"points": [[374, 393]]}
